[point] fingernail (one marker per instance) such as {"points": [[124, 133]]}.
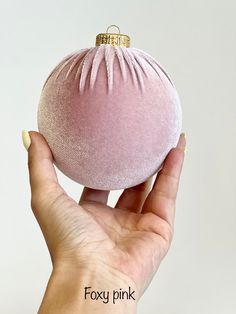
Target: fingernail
{"points": [[184, 147], [26, 139]]}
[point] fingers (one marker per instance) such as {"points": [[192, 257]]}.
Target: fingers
{"points": [[40, 161], [132, 198], [161, 200], [92, 195]]}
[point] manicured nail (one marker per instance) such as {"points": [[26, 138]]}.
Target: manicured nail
{"points": [[26, 139]]}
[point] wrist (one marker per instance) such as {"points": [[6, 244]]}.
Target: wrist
{"points": [[93, 288]]}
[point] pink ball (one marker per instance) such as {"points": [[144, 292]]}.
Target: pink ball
{"points": [[110, 115]]}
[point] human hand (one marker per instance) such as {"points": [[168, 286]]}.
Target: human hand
{"points": [[121, 246]]}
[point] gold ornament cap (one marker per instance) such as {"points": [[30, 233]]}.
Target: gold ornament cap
{"points": [[114, 39]]}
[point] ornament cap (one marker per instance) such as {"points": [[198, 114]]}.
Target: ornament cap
{"points": [[114, 39]]}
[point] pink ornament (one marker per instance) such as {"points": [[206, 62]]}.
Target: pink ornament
{"points": [[110, 114]]}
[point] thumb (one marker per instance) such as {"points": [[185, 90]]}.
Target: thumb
{"points": [[40, 162]]}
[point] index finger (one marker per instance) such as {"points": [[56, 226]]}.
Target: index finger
{"points": [[161, 199]]}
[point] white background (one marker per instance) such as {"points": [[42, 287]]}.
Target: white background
{"points": [[195, 41]]}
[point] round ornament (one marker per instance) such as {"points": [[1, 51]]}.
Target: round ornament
{"points": [[110, 114]]}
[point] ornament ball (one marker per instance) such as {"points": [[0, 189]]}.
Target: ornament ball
{"points": [[110, 114]]}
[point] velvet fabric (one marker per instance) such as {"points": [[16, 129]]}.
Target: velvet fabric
{"points": [[110, 115]]}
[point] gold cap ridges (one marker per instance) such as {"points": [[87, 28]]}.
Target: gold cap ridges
{"points": [[114, 39]]}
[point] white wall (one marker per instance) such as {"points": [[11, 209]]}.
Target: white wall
{"points": [[195, 41]]}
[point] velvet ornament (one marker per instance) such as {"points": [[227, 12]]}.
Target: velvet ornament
{"points": [[110, 114]]}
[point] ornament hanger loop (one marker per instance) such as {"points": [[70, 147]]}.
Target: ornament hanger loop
{"points": [[113, 25]]}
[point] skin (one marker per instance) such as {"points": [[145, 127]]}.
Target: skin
{"points": [[93, 244]]}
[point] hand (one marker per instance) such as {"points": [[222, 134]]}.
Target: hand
{"points": [[123, 245]]}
